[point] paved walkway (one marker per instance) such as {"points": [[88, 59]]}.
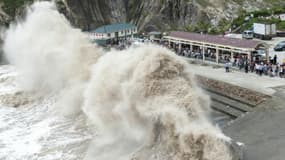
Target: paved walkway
{"points": [[251, 81]]}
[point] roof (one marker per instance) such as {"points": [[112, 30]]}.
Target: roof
{"points": [[217, 40], [114, 28]]}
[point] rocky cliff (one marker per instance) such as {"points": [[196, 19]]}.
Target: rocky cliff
{"points": [[4, 18], [158, 14], [146, 14]]}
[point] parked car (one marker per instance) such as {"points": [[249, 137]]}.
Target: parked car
{"points": [[280, 46], [247, 34]]}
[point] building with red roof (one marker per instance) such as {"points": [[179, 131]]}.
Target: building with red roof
{"points": [[234, 47]]}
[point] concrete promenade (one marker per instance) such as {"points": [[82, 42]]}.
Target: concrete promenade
{"points": [[263, 84]]}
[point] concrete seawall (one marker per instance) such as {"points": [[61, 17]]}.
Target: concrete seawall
{"points": [[230, 102], [244, 95]]}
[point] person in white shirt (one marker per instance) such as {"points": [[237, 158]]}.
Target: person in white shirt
{"points": [[256, 68], [281, 72]]}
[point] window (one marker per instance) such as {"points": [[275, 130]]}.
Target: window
{"points": [[109, 34]]}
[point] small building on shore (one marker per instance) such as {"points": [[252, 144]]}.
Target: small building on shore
{"points": [[216, 48], [155, 36], [113, 33]]}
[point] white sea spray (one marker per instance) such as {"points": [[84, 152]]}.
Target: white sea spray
{"points": [[143, 101]]}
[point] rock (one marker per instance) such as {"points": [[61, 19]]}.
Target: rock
{"points": [[152, 15], [148, 15]]}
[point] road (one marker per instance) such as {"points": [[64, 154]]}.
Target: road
{"points": [[272, 44]]}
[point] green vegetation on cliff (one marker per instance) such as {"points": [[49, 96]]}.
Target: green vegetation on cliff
{"points": [[246, 19], [11, 6], [206, 27]]}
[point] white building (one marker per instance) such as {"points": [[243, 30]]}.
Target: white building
{"points": [[113, 32], [282, 17]]}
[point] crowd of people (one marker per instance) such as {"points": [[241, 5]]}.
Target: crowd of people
{"points": [[197, 54], [271, 68], [255, 65]]}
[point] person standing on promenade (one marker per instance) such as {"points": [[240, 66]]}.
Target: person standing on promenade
{"points": [[252, 65], [277, 68], [246, 67], [227, 66], [281, 72], [275, 59]]}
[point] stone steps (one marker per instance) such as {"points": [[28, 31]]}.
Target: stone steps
{"points": [[219, 118], [238, 105], [226, 109]]}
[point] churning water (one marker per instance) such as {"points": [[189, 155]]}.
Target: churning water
{"points": [[77, 102]]}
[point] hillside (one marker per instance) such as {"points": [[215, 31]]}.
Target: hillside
{"points": [[147, 14], [160, 14]]}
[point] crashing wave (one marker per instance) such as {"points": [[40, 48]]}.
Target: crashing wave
{"points": [[143, 102]]}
